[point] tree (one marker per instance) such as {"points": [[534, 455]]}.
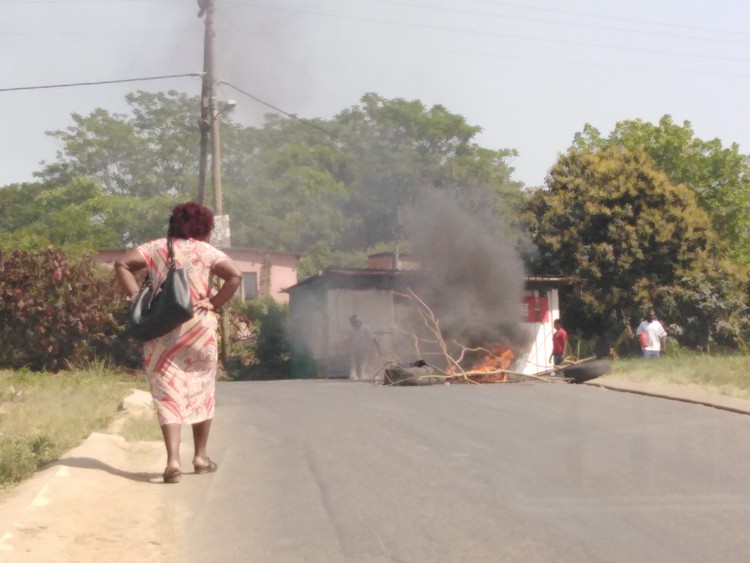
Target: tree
{"points": [[152, 153], [611, 218], [329, 186], [78, 216], [333, 189], [72, 216], [395, 148], [280, 188], [718, 176]]}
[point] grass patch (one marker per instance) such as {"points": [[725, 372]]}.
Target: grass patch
{"points": [[727, 375], [43, 415], [141, 428]]}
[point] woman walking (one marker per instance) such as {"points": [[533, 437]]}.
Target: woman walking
{"points": [[181, 365]]}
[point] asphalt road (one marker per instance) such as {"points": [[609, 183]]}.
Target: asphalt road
{"points": [[336, 471]]}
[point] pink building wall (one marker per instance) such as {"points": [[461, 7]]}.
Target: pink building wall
{"points": [[283, 269], [278, 269]]}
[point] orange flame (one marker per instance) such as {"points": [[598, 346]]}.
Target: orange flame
{"points": [[496, 359], [491, 368]]}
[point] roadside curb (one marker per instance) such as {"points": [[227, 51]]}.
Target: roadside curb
{"points": [[138, 399], [138, 403], [76, 484], [677, 393]]}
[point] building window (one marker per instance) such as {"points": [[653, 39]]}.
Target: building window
{"points": [[249, 286]]}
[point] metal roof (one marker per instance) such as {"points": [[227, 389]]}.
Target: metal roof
{"points": [[334, 274]]}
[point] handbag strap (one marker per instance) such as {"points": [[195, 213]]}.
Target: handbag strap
{"points": [[170, 262], [170, 253]]}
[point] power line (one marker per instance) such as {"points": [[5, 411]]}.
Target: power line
{"points": [[273, 107], [425, 7], [396, 2], [314, 125], [100, 31], [513, 57], [614, 18], [82, 1], [456, 10], [577, 13], [162, 77], [96, 83], [560, 22], [493, 34]]}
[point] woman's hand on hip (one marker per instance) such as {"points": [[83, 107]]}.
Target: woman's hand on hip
{"points": [[204, 304]]}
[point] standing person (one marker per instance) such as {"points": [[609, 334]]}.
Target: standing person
{"points": [[181, 365], [654, 336], [363, 340], [559, 339]]}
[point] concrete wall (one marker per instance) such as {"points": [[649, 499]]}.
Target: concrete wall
{"points": [[539, 323]]}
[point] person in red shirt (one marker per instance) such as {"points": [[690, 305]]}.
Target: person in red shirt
{"points": [[559, 339]]}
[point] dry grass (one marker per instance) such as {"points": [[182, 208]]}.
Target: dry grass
{"points": [[44, 415], [728, 375]]}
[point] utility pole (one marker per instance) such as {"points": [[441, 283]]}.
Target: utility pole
{"points": [[205, 123], [209, 123], [216, 158]]}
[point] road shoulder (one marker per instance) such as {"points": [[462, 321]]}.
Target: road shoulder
{"points": [[687, 394], [100, 501]]}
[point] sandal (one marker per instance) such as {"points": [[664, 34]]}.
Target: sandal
{"points": [[210, 467], [172, 476]]}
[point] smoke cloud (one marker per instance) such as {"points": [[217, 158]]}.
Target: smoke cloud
{"points": [[475, 282]]}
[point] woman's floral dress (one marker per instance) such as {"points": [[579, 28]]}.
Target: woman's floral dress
{"points": [[181, 365]]}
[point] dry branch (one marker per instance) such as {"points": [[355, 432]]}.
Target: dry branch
{"points": [[454, 372]]}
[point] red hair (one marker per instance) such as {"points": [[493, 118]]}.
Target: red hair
{"points": [[190, 220]]}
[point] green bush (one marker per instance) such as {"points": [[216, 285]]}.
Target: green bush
{"points": [[57, 313], [261, 347]]}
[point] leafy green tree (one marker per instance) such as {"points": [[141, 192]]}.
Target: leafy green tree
{"points": [[78, 217], [149, 154], [71, 217], [636, 240], [327, 187], [113, 182], [280, 188], [717, 175], [18, 209], [395, 148], [167, 123], [322, 187], [137, 220], [712, 309]]}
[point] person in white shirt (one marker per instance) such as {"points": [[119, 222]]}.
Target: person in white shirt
{"points": [[363, 340], [652, 336]]}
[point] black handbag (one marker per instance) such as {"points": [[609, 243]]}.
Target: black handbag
{"points": [[153, 313]]}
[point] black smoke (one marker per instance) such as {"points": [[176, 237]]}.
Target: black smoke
{"points": [[474, 280]]}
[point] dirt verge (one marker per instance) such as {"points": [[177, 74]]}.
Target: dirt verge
{"points": [[101, 502]]}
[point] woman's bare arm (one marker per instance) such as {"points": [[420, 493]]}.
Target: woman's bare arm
{"points": [[125, 266], [228, 271]]}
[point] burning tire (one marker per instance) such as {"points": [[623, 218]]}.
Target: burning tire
{"points": [[587, 371], [422, 375]]}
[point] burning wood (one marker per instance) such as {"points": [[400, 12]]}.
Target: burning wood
{"points": [[491, 368], [441, 362]]}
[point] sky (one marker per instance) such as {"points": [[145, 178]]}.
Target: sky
{"points": [[530, 73]]}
